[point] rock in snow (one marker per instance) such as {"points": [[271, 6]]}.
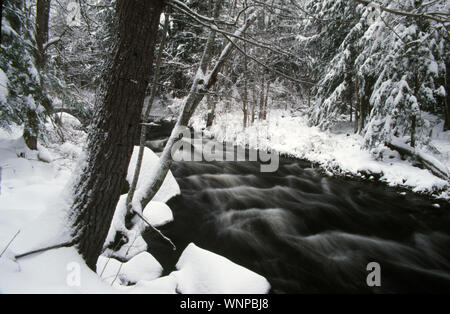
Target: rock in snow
{"points": [[158, 214], [150, 163], [141, 267], [201, 271]]}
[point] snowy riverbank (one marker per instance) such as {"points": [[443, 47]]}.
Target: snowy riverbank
{"points": [[33, 206], [337, 152]]}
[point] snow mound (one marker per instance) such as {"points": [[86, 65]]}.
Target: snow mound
{"points": [[163, 285], [158, 214], [169, 188], [201, 271], [142, 267], [68, 120]]}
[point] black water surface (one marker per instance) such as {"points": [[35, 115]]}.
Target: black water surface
{"points": [[308, 233]]}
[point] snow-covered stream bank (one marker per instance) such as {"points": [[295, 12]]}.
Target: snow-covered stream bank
{"points": [[339, 152], [33, 204], [295, 230]]}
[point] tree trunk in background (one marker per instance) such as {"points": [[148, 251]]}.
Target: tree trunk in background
{"points": [[362, 115], [447, 100], [111, 138], [254, 103], [358, 101], [261, 98], [266, 101], [245, 91], [211, 110], [309, 97], [42, 18], [31, 129], [413, 131]]}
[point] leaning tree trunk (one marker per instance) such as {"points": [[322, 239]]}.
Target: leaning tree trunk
{"points": [[111, 138], [200, 86]]}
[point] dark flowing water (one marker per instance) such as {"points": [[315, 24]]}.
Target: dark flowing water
{"points": [[307, 233]]}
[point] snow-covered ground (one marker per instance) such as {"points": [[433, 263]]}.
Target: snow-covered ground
{"points": [[33, 204], [337, 152]]}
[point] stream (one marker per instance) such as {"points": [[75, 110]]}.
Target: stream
{"points": [[309, 233]]}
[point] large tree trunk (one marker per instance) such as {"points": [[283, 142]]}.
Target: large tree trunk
{"points": [[111, 138], [146, 119], [42, 18]]}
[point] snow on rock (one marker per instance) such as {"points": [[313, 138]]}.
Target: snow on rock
{"points": [[44, 154], [169, 188], [142, 267], [68, 120], [158, 214], [201, 271]]}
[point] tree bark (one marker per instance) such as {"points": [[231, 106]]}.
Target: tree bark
{"points": [[42, 18], [447, 100], [147, 116], [31, 129], [266, 101], [211, 110], [413, 131], [254, 102], [261, 98], [111, 138]]}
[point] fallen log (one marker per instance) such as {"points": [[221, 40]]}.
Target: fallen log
{"points": [[428, 161]]}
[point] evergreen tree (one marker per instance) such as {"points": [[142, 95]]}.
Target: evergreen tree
{"points": [[25, 102]]}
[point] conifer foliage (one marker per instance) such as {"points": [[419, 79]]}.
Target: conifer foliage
{"points": [[21, 100]]}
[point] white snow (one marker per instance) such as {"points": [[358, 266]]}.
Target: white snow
{"points": [[162, 215], [50, 273], [34, 201], [142, 267], [3, 87], [158, 214], [169, 188], [201, 271]]}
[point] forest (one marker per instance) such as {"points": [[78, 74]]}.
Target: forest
{"points": [[224, 146]]}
